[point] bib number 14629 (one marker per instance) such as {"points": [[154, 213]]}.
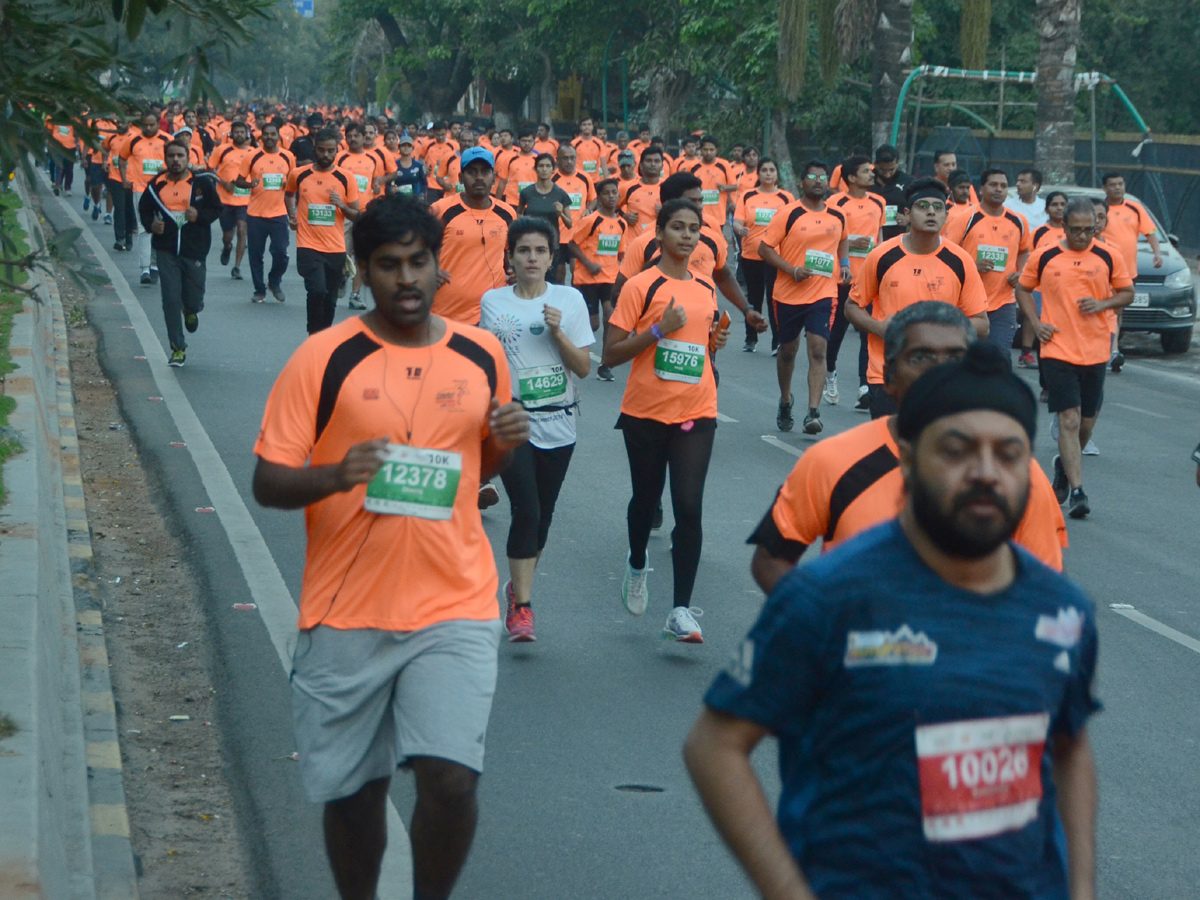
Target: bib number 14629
{"points": [[416, 482]]}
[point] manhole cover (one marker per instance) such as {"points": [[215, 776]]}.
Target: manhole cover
{"points": [[640, 788]]}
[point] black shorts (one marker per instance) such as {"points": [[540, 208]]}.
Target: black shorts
{"points": [[95, 173], [231, 215], [815, 318], [1069, 386], [594, 295]]}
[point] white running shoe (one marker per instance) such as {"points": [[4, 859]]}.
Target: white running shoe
{"points": [[356, 301], [830, 394], [1091, 449], [635, 593], [682, 626]]}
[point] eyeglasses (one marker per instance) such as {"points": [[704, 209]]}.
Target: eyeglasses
{"points": [[816, 177], [929, 206], [1081, 229]]}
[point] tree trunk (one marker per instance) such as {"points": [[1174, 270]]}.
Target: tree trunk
{"points": [[667, 90], [507, 97], [891, 44], [1054, 138], [778, 150]]}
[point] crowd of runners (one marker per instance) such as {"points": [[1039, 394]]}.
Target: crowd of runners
{"points": [[492, 265]]}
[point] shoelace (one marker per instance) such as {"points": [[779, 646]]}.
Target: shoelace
{"points": [[637, 580]]}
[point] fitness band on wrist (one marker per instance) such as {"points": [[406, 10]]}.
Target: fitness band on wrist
{"points": [[656, 331], [845, 262]]}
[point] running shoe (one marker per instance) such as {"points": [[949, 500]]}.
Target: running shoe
{"points": [[87, 201], [1091, 449], [635, 593], [488, 495], [518, 622], [682, 626], [1118, 360], [812, 422], [67, 192], [258, 297], [1026, 360], [1078, 508], [146, 277], [57, 190], [226, 252], [191, 322], [154, 274], [830, 394], [783, 418], [604, 373], [355, 301], [120, 247], [749, 346], [863, 403], [656, 522], [95, 213], [1062, 487], [277, 293], [235, 273], [774, 351], [108, 218], [177, 358]]}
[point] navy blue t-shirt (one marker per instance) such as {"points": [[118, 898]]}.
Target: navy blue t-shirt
{"points": [[915, 719]]}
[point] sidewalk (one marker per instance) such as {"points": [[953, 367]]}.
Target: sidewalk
{"points": [[64, 833]]}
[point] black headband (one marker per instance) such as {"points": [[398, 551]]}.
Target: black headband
{"points": [[930, 192]]}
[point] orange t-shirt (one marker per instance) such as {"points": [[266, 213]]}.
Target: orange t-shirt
{"points": [[756, 209], [319, 224], [581, 191], [550, 145], [864, 218], [272, 171], [503, 157], [893, 278], [228, 162], [1127, 220], [365, 166], [589, 153], [851, 482], [387, 164], [144, 158], [64, 135], [711, 253], [1065, 277], [345, 386], [957, 215], [643, 199], [654, 389], [797, 233], [747, 182], [522, 172], [711, 176], [116, 144], [1003, 237], [602, 240], [1047, 234], [473, 247], [436, 159]]}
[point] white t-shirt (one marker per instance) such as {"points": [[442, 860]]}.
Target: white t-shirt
{"points": [[1035, 212], [539, 376]]}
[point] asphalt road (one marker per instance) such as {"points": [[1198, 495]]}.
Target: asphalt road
{"points": [[599, 702]]}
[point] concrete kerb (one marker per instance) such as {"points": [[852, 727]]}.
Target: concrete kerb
{"points": [[65, 828]]}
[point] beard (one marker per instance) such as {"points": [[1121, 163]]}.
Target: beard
{"points": [[956, 531]]}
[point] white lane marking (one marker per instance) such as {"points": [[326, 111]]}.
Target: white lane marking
{"points": [[1177, 377], [787, 448], [1124, 609], [721, 417], [275, 603], [1138, 409]]}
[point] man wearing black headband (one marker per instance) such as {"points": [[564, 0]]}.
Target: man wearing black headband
{"points": [[929, 684]]}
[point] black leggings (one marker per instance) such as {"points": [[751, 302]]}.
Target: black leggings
{"points": [[760, 281], [532, 481], [652, 448]]}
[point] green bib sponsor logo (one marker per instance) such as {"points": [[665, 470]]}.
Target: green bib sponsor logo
{"points": [[542, 385], [152, 166], [889, 215], [589, 167], [609, 245], [459, 188], [241, 192], [763, 216], [363, 182], [179, 218], [576, 201], [819, 263], [997, 256], [272, 181], [406, 188], [870, 245], [679, 361], [521, 185], [322, 214], [710, 197], [415, 482]]}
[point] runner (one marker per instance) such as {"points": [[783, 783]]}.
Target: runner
{"points": [[639, 144], [962, 207], [266, 173], [141, 160], [177, 209], [410, 172], [917, 265], [1080, 281], [1125, 223], [999, 241], [124, 218], [622, 171], [851, 482], [320, 198], [93, 172], [755, 211], [503, 156], [615, 152], [436, 157], [397, 671], [1027, 202], [582, 195], [597, 245], [945, 165], [63, 150], [807, 242], [748, 180], [590, 150], [521, 168], [640, 202], [664, 322], [227, 161], [717, 178], [544, 331], [1051, 232], [368, 169], [545, 200], [303, 147], [543, 143], [929, 684], [890, 184], [866, 218]]}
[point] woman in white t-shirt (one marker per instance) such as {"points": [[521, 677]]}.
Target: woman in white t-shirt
{"points": [[545, 331]]}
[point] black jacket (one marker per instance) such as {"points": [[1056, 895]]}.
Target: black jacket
{"points": [[194, 240], [893, 195]]}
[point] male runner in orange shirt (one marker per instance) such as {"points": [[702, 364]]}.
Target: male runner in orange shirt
{"points": [[543, 143], [639, 200], [437, 158], [1126, 222], [142, 158], [590, 150], [266, 172], [521, 172], [718, 179], [124, 220], [227, 162]]}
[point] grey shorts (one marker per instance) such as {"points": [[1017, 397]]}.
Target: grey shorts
{"points": [[365, 701]]}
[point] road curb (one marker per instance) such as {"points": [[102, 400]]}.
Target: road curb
{"points": [[113, 872]]}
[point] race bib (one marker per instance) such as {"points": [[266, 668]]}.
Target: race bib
{"points": [[64, 130], [152, 166], [542, 386], [889, 215], [241, 191], [322, 214], [589, 167], [576, 201], [608, 244], [997, 255], [980, 778], [710, 198], [415, 482], [763, 216], [406, 189], [819, 263], [679, 361], [459, 188], [272, 181], [362, 183], [521, 185], [180, 218], [870, 246]]}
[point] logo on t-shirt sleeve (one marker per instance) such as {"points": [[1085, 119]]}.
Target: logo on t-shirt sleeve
{"points": [[901, 647]]}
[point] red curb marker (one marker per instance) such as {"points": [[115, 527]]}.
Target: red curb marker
{"points": [[140, 358], [244, 607], [127, 327], [178, 444], [155, 399], [204, 509]]}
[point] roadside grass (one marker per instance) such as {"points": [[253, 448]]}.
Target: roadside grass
{"points": [[11, 303]]}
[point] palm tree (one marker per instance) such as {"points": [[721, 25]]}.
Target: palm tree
{"points": [[1054, 140]]}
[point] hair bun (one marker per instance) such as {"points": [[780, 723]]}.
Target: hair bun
{"points": [[985, 358]]}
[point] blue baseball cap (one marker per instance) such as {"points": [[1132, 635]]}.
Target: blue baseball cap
{"points": [[478, 153]]}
